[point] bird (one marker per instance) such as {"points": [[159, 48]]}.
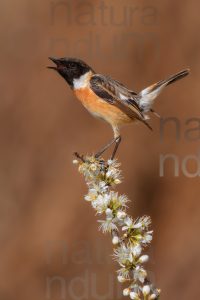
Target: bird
{"points": [[108, 99]]}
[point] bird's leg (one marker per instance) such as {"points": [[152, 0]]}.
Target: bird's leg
{"points": [[99, 153], [117, 142]]}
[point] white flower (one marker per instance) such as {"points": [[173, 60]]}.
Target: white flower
{"points": [[114, 164], [146, 290], [117, 201], [123, 200], [100, 177], [136, 250], [107, 226], [110, 162], [121, 279], [123, 255], [129, 224], [134, 295], [143, 259], [139, 274], [98, 187], [101, 203], [113, 174], [93, 167], [92, 195], [124, 272], [109, 173], [103, 186], [126, 292], [137, 225], [147, 237], [121, 215], [142, 223]]}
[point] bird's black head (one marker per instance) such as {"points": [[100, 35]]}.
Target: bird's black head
{"points": [[70, 68]]}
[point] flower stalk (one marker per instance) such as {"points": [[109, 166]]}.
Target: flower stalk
{"points": [[129, 237]]}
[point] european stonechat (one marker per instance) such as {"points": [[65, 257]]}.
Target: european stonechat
{"points": [[108, 99]]}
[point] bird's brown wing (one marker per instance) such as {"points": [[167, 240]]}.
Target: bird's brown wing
{"points": [[118, 95]]}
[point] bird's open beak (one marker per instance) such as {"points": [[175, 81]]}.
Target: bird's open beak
{"points": [[56, 61]]}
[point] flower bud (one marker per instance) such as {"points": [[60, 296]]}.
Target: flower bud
{"points": [[126, 292], [153, 296], [115, 240], [117, 181], [75, 161], [143, 259], [146, 290], [133, 295], [109, 212]]}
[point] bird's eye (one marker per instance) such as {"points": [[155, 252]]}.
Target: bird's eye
{"points": [[71, 65]]}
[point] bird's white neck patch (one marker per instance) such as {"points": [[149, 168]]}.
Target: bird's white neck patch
{"points": [[82, 82]]}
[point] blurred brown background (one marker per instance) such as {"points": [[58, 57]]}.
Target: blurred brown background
{"points": [[47, 231]]}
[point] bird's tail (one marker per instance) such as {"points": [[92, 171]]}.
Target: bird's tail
{"points": [[148, 95]]}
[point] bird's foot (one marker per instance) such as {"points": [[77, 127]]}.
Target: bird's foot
{"points": [[84, 159], [97, 155]]}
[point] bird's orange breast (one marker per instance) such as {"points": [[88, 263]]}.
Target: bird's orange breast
{"points": [[100, 108]]}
